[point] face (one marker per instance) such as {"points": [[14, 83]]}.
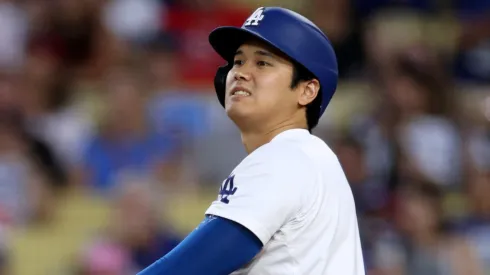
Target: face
{"points": [[163, 68], [258, 88], [407, 95], [124, 97], [416, 214]]}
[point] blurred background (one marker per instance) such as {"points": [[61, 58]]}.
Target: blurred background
{"points": [[113, 144]]}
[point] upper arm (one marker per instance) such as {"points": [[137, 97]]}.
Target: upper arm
{"points": [[263, 193], [218, 246]]}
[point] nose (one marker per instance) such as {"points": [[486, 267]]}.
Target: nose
{"points": [[241, 74]]}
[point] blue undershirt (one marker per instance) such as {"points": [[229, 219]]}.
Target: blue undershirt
{"points": [[217, 247]]}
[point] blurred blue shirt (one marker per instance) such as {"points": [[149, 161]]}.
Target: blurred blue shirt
{"points": [[106, 159], [180, 111]]}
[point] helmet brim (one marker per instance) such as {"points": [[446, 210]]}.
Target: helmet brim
{"points": [[226, 40]]}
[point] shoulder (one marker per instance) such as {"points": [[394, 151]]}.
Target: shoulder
{"points": [[282, 157], [310, 154]]}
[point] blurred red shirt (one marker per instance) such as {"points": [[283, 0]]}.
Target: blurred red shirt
{"points": [[197, 61]]}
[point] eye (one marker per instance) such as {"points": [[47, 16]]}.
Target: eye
{"points": [[237, 62], [262, 63]]}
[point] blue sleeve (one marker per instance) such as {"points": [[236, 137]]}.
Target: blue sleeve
{"points": [[217, 247]]}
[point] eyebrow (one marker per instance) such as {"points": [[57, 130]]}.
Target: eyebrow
{"points": [[258, 52]]}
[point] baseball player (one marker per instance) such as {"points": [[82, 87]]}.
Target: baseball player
{"points": [[287, 208]]}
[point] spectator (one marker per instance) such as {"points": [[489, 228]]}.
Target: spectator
{"points": [[126, 142], [370, 196], [476, 227], [473, 43], [174, 108], [46, 100], [336, 18], [29, 171], [13, 34], [419, 242], [428, 130], [139, 224], [134, 21], [137, 235], [103, 258]]}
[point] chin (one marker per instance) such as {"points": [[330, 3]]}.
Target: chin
{"points": [[236, 111], [239, 112]]}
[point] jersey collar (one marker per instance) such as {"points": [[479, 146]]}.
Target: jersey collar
{"points": [[291, 133]]}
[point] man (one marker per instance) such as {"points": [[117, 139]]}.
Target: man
{"points": [[287, 208]]}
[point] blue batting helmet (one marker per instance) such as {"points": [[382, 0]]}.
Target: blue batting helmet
{"points": [[290, 33]]}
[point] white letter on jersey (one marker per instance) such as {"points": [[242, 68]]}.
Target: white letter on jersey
{"points": [[255, 18]]}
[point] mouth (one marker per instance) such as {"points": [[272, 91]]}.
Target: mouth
{"points": [[239, 91]]}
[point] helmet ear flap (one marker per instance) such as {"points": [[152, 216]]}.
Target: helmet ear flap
{"points": [[220, 82]]}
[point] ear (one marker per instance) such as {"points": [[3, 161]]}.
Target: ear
{"points": [[308, 92]]}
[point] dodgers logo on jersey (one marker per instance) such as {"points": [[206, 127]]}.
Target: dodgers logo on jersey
{"points": [[227, 189], [255, 18]]}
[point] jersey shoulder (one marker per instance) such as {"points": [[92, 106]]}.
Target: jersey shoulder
{"points": [[285, 156]]}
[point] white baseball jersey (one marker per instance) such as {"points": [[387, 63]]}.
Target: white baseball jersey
{"points": [[293, 195]]}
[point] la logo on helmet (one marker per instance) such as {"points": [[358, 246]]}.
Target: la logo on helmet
{"points": [[255, 18]]}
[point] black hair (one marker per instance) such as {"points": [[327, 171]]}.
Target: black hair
{"points": [[300, 74], [432, 193], [432, 77]]}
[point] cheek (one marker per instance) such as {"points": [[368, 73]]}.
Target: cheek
{"points": [[229, 78], [229, 83], [273, 90]]}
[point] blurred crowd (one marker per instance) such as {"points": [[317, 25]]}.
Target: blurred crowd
{"points": [[107, 106]]}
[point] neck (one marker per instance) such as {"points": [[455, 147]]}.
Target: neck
{"points": [[253, 139]]}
